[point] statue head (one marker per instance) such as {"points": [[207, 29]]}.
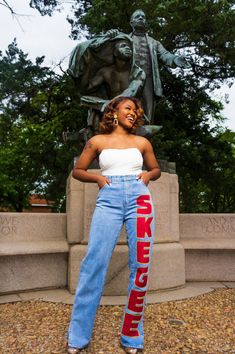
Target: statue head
{"points": [[123, 50], [138, 20]]}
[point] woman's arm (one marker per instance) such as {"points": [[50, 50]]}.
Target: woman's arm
{"points": [[153, 169], [88, 154]]}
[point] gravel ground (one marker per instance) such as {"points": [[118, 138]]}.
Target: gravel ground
{"points": [[203, 324]]}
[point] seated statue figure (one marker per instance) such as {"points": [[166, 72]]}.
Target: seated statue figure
{"points": [[103, 68]]}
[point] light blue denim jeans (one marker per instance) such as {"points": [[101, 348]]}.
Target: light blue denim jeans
{"points": [[127, 200]]}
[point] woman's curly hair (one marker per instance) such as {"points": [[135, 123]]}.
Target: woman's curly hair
{"points": [[106, 125]]}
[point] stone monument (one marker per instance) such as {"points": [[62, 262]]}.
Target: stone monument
{"points": [[168, 261], [107, 66]]}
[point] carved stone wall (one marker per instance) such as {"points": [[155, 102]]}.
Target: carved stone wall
{"points": [[209, 242], [33, 251]]}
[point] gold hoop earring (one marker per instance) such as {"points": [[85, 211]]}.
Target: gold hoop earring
{"points": [[115, 120]]}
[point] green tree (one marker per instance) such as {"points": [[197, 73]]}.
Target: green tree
{"points": [[36, 106], [192, 133], [204, 28], [203, 152], [191, 119]]}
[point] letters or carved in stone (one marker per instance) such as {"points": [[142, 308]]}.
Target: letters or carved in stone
{"points": [[8, 225]]}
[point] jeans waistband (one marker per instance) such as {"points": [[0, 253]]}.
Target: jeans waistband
{"points": [[122, 178]]}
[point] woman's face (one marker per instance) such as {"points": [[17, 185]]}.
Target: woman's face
{"points": [[126, 113]]}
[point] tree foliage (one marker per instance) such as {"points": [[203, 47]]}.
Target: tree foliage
{"points": [[204, 152], [46, 7], [42, 106], [192, 135], [205, 28], [37, 105]]}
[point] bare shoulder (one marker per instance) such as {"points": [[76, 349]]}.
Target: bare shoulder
{"points": [[96, 142], [142, 143], [92, 143]]}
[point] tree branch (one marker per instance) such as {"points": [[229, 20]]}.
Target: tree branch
{"points": [[12, 11]]}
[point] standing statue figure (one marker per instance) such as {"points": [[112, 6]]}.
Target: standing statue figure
{"points": [[147, 51]]}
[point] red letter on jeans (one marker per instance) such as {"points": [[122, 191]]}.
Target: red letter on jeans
{"points": [[141, 281], [136, 301], [130, 325], [143, 226], [143, 201], [143, 251]]}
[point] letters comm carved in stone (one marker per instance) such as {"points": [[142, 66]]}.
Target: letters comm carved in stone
{"points": [[215, 225]]}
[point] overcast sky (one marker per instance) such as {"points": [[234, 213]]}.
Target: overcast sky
{"points": [[49, 36]]}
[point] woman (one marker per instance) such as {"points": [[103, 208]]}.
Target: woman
{"points": [[123, 198]]}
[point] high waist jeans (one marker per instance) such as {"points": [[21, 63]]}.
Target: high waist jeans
{"points": [[127, 200]]}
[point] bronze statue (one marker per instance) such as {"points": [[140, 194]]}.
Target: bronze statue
{"points": [[116, 77], [116, 64], [103, 68], [146, 54]]}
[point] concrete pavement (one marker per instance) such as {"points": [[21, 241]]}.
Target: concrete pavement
{"points": [[191, 289]]}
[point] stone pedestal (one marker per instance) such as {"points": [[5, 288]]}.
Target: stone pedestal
{"points": [[168, 261]]}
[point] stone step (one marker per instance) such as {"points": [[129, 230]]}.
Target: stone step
{"points": [[167, 268], [204, 244], [33, 247], [210, 265], [33, 271], [33, 251]]}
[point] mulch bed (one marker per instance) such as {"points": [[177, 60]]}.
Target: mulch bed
{"points": [[203, 324]]}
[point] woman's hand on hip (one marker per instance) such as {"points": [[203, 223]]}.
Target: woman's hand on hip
{"points": [[102, 181], [145, 178]]}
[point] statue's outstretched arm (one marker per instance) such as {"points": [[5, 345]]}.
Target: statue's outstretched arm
{"points": [[171, 59], [165, 56]]}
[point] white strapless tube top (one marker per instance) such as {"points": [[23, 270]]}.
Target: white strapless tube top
{"points": [[120, 162]]}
